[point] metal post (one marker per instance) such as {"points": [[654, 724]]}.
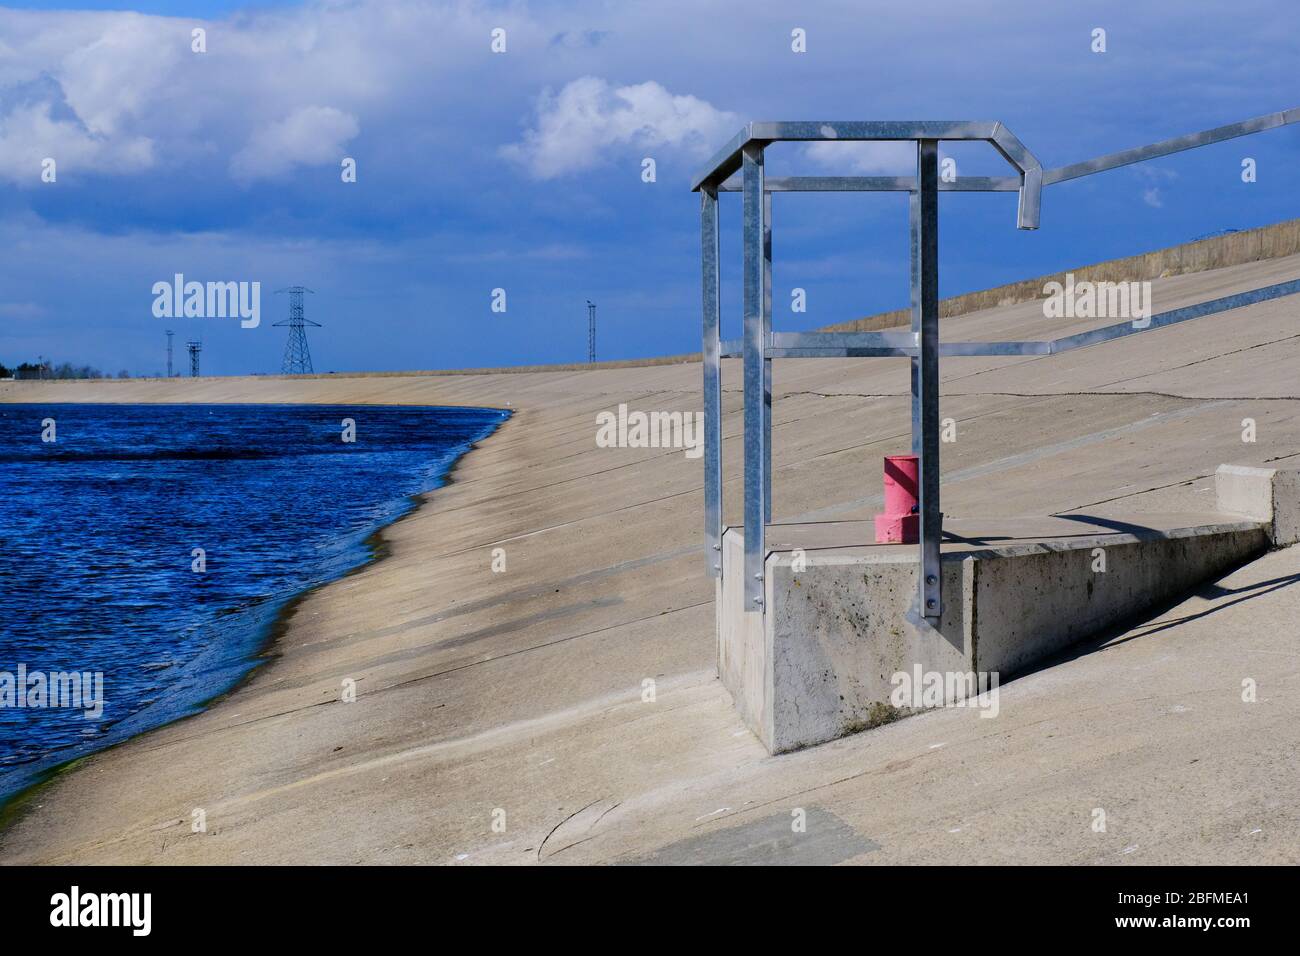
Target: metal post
{"points": [[925, 390], [755, 432], [767, 361], [712, 350], [914, 219]]}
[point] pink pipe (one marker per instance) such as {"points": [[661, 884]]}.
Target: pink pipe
{"points": [[900, 524]]}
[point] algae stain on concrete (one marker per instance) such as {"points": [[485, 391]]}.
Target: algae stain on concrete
{"points": [[878, 713], [770, 841]]}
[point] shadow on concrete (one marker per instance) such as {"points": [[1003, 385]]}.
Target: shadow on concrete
{"points": [[1098, 526], [1120, 527]]}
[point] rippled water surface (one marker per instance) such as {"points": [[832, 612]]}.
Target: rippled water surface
{"points": [[98, 531]]}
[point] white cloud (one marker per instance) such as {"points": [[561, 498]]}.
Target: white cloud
{"points": [[81, 89], [30, 134], [578, 128], [310, 136], [114, 71], [121, 92]]}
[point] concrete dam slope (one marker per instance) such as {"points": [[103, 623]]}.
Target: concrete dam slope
{"points": [[567, 710]]}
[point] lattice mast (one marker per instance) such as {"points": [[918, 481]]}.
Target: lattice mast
{"points": [[297, 357]]}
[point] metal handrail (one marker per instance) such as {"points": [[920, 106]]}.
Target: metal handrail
{"points": [[1060, 174], [745, 153]]}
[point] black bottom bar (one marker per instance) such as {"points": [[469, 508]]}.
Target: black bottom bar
{"points": [[345, 908]]}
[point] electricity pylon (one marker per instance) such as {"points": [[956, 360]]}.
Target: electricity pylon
{"points": [[297, 357]]}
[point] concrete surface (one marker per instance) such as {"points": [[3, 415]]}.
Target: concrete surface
{"points": [[1217, 252], [526, 692]]}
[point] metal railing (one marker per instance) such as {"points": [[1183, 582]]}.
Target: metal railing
{"points": [[760, 345]]}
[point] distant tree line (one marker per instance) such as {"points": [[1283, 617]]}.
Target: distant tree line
{"points": [[48, 370]]}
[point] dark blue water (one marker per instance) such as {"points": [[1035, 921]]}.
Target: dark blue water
{"points": [[98, 530]]}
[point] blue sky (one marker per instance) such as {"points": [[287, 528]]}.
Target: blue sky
{"points": [[522, 170]]}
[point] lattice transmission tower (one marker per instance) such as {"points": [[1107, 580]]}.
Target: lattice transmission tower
{"points": [[297, 357], [195, 348], [591, 331]]}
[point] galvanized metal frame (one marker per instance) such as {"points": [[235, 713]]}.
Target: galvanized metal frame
{"points": [[925, 369], [1050, 177], [712, 348], [744, 154], [757, 325]]}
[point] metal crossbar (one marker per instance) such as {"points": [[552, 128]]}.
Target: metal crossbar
{"points": [[744, 156], [892, 344]]}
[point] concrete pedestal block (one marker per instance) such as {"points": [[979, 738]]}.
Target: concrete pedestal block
{"points": [[1271, 495], [821, 661]]}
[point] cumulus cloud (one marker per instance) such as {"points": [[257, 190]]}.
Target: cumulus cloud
{"points": [[310, 136], [31, 133], [83, 90], [589, 120], [119, 93]]}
